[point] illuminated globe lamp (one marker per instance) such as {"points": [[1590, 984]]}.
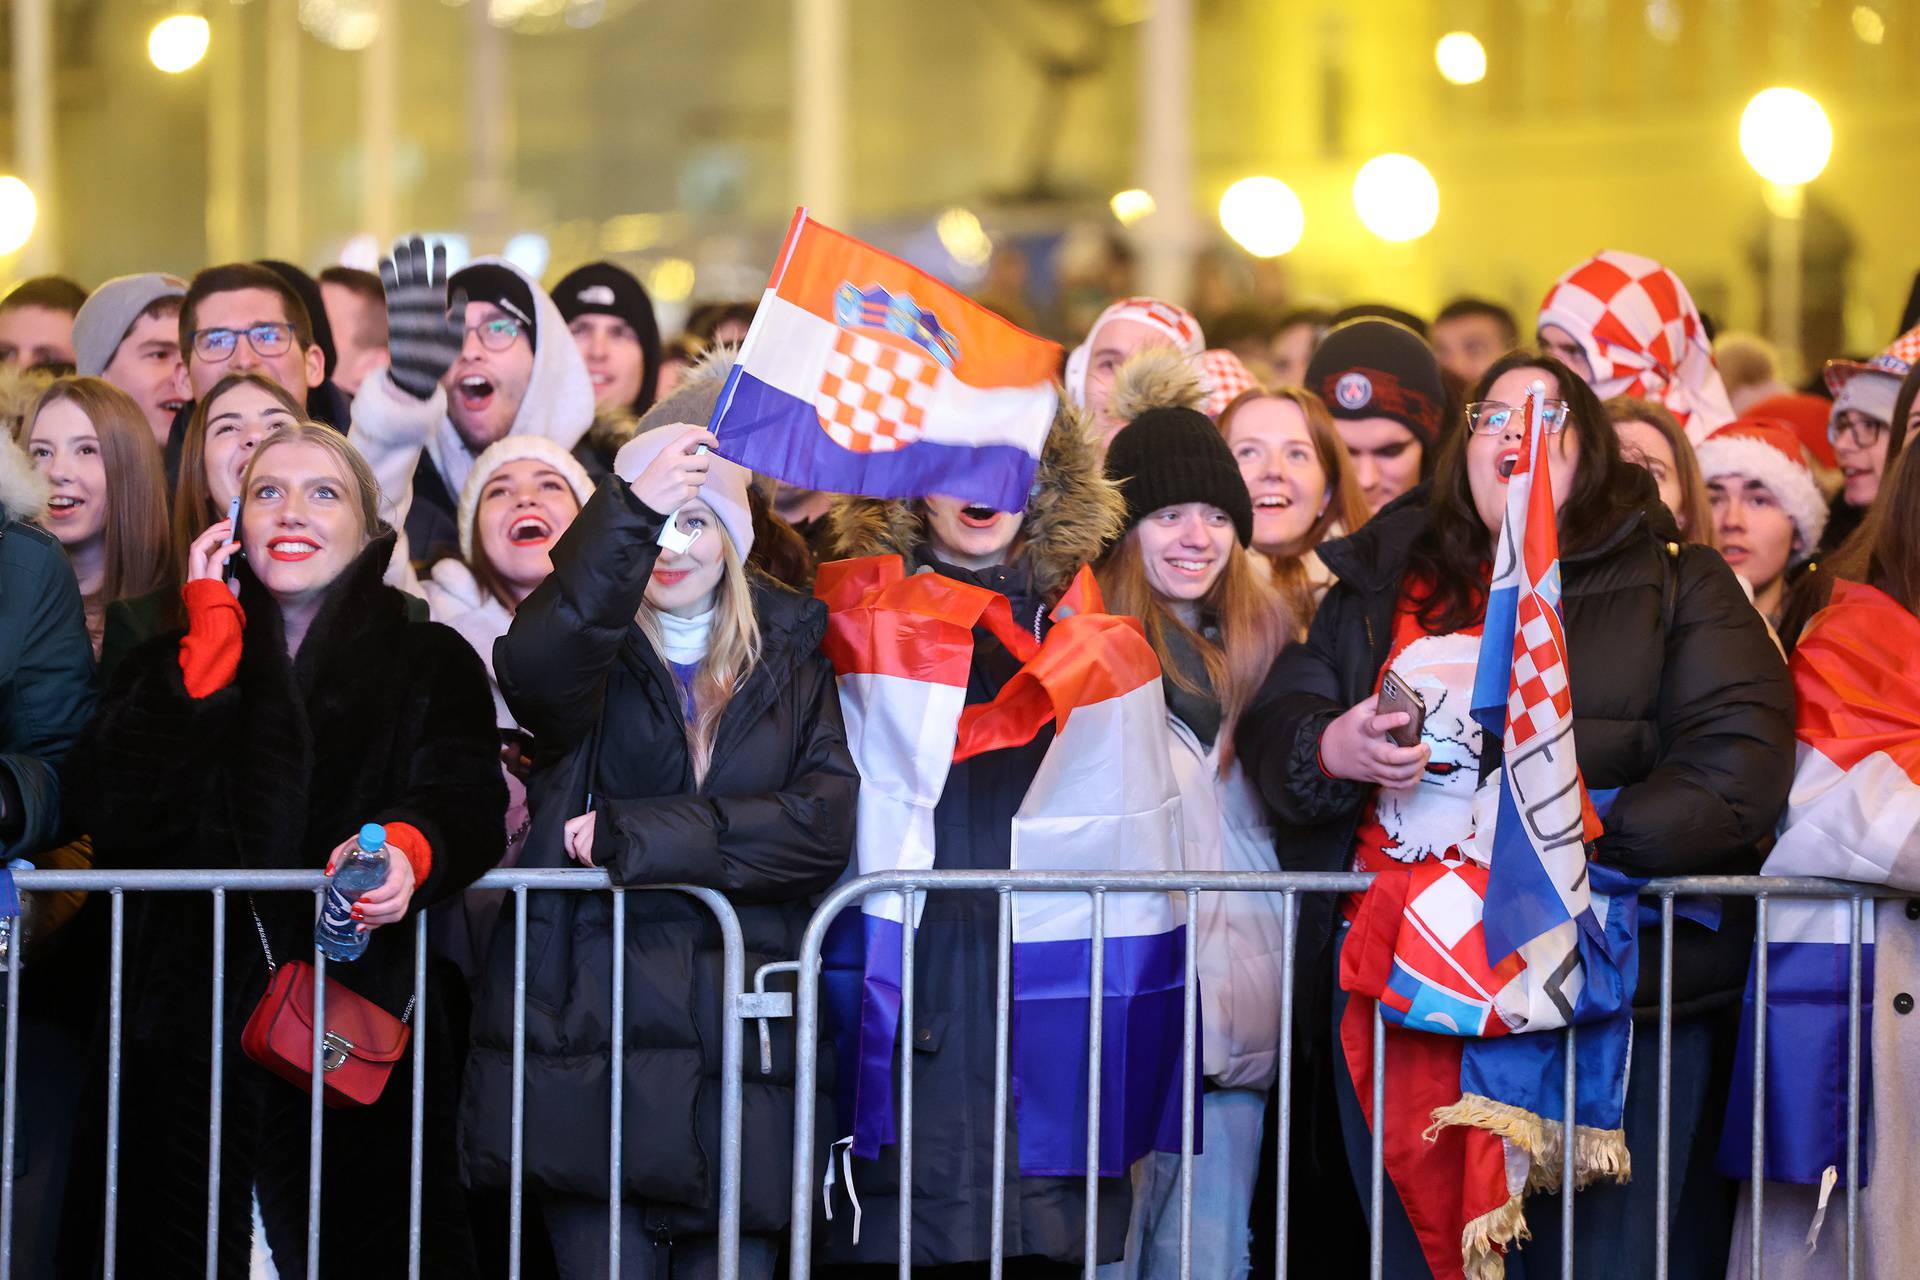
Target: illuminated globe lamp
{"points": [[1786, 137], [1396, 198], [18, 213], [1461, 58], [177, 44], [1263, 216]]}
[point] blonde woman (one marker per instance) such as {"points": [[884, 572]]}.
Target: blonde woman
{"points": [[689, 732]]}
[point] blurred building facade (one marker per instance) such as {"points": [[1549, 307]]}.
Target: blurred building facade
{"points": [[662, 133]]}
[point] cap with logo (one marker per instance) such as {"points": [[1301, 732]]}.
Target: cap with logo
{"points": [[1375, 368]]}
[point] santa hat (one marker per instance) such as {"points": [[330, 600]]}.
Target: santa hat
{"points": [[1871, 386], [1807, 415], [516, 449], [1767, 450], [1177, 323]]}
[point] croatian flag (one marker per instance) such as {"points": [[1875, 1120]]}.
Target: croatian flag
{"points": [[1517, 933], [861, 374], [1853, 814], [1103, 799]]}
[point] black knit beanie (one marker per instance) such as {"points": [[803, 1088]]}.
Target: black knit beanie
{"points": [[1172, 455], [504, 288], [601, 288], [1378, 369]]}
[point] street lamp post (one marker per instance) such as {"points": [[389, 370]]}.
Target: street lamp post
{"points": [[1786, 137]]}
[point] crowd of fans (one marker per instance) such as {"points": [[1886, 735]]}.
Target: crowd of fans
{"points": [[447, 605]]}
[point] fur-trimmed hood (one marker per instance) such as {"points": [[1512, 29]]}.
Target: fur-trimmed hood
{"points": [[1155, 378], [1073, 513], [23, 493]]}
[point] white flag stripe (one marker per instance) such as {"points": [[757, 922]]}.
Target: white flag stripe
{"points": [[792, 348], [1859, 824]]}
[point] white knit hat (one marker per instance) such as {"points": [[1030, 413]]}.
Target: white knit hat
{"points": [[1767, 450], [516, 448]]}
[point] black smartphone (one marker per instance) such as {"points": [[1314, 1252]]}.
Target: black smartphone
{"points": [[232, 565], [1397, 695]]}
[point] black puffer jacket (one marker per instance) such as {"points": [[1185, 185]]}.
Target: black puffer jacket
{"points": [[1679, 699], [771, 827], [379, 719]]}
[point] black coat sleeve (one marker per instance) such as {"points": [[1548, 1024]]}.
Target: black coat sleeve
{"points": [[553, 660], [1278, 736], [1726, 736], [451, 787], [51, 692], [152, 760], [770, 847]]}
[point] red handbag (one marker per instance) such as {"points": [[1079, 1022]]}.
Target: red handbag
{"points": [[358, 1049]]}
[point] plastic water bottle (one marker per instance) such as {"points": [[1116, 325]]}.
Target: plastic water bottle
{"points": [[337, 934]]}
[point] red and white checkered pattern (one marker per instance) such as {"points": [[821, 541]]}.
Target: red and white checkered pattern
{"points": [[1642, 336], [1537, 697], [873, 396], [1225, 378]]}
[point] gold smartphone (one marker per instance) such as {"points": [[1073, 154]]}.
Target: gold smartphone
{"points": [[1397, 695]]}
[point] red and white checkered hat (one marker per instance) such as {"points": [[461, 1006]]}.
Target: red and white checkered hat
{"points": [[1643, 337], [1182, 330], [1225, 379], [1874, 393], [1768, 450]]}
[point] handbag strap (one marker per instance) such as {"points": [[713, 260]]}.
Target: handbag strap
{"points": [[273, 968]]}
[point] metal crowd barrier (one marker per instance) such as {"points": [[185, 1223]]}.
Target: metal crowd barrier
{"points": [[219, 884], [1290, 886]]}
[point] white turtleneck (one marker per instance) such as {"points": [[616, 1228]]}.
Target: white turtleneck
{"points": [[684, 639]]}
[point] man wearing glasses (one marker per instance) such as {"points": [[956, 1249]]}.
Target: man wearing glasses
{"points": [[473, 358]]}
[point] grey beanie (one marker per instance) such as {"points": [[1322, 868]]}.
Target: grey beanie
{"points": [[110, 310]]}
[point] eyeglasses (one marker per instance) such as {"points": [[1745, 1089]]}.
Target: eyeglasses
{"points": [[268, 338], [496, 334], [1864, 430], [1491, 417]]}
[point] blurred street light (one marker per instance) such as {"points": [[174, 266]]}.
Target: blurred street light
{"points": [[1396, 198], [1131, 205], [18, 212], [1263, 216], [1461, 57], [1785, 136], [1868, 24], [178, 43], [964, 239], [671, 280]]}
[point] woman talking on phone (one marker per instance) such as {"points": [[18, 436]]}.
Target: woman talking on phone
{"points": [[299, 704], [687, 731], [1680, 703]]}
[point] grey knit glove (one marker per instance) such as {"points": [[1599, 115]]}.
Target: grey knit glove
{"points": [[424, 328]]}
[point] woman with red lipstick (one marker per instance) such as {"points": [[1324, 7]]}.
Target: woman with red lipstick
{"points": [[108, 507], [1185, 568], [689, 731], [1680, 703], [263, 737]]}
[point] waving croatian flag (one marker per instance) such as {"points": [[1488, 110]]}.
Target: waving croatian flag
{"points": [[1853, 814], [1514, 932], [1103, 799], [864, 375]]}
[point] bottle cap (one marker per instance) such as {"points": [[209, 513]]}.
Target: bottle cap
{"points": [[373, 837]]}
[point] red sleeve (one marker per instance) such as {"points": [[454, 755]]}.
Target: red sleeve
{"points": [[210, 651], [408, 839]]}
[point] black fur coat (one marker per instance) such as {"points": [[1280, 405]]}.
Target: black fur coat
{"points": [[377, 720]]}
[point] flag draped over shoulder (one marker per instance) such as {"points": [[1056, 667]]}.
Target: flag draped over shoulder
{"points": [[1104, 799], [1514, 933], [862, 374], [1853, 814]]}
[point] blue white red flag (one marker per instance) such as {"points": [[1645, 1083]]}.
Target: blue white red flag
{"points": [[1104, 799], [1853, 814], [862, 374]]}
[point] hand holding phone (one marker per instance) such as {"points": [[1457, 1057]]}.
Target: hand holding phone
{"points": [[232, 565], [1396, 695]]}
